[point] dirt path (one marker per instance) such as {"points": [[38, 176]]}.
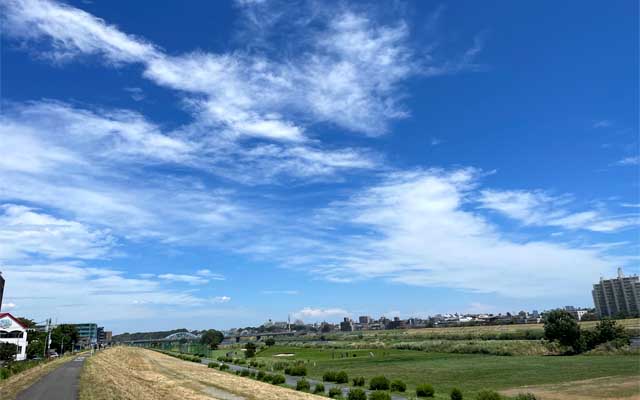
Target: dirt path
{"points": [[608, 388], [126, 373]]}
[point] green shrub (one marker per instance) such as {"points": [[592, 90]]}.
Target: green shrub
{"points": [[213, 365], [357, 394], [456, 394], [379, 383], [278, 379], [260, 376], [342, 377], [425, 390], [335, 392], [525, 396], [358, 381], [379, 395], [398, 386], [488, 395], [245, 373], [319, 388], [296, 370], [223, 367], [329, 376], [267, 378], [303, 385]]}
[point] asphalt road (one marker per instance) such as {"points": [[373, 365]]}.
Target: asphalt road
{"points": [[59, 384]]}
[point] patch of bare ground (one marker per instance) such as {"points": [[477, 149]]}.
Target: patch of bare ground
{"points": [[9, 388], [126, 373], [607, 388]]}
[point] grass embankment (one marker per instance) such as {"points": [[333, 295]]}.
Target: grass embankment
{"points": [[10, 387], [469, 372], [126, 373]]}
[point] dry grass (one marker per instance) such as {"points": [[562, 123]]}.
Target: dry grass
{"points": [[126, 373], [9, 388], [631, 323], [608, 388]]}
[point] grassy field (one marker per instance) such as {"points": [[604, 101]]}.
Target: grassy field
{"points": [[127, 373], [469, 372]]}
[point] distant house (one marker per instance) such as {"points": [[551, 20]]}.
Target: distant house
{"points": [[12, 331]]}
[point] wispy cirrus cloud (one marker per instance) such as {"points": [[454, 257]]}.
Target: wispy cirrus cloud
{"points": [[627, 161], [27, 232], [422, 228], [538, 208]]}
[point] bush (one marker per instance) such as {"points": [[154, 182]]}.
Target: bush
{"points": [[213, 365], [319, 388], [296, 370], [398, 386], [342, 377], [335, 392], [245, 373], [357, 394], [223, 367], [260, 376], [329, 376], [425, 390], [525, 396], [303, 385], [488, 395], [379, 395], [278, 379], [379, 383], [267, 378], [456, 394], [358, 381]]}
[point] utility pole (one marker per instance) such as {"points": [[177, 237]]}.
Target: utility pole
{"points": [[48, 339]]}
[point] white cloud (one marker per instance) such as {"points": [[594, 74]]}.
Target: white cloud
{"points": [[26, 232], [210, 275], [348, 72], [71, 31], [285, 292], [72, 292], [604, 123], [221, 299], [634, 160], [538, 208], [184, 278], [318, 314], [417, 228]]}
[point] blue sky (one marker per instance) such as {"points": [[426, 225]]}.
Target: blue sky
{"points": [[216, 164]]}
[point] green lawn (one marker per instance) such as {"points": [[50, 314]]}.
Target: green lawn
{"points": [[469, 372]]}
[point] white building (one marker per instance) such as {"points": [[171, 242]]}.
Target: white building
{"points": [[12, 331]]}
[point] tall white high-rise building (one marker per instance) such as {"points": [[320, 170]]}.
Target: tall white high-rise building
{"points": [[617, 296]]}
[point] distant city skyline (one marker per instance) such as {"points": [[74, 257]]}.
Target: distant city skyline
{"points": [[215, 164]]}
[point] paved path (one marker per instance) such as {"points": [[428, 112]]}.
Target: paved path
{"points": [[59, 384]]}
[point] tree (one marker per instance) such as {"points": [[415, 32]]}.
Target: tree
{"points": [[212, 338], [270, 341], [63, 337], [250, 350], [35, 340], [560, 326], [608, 330], [7, 352]]}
